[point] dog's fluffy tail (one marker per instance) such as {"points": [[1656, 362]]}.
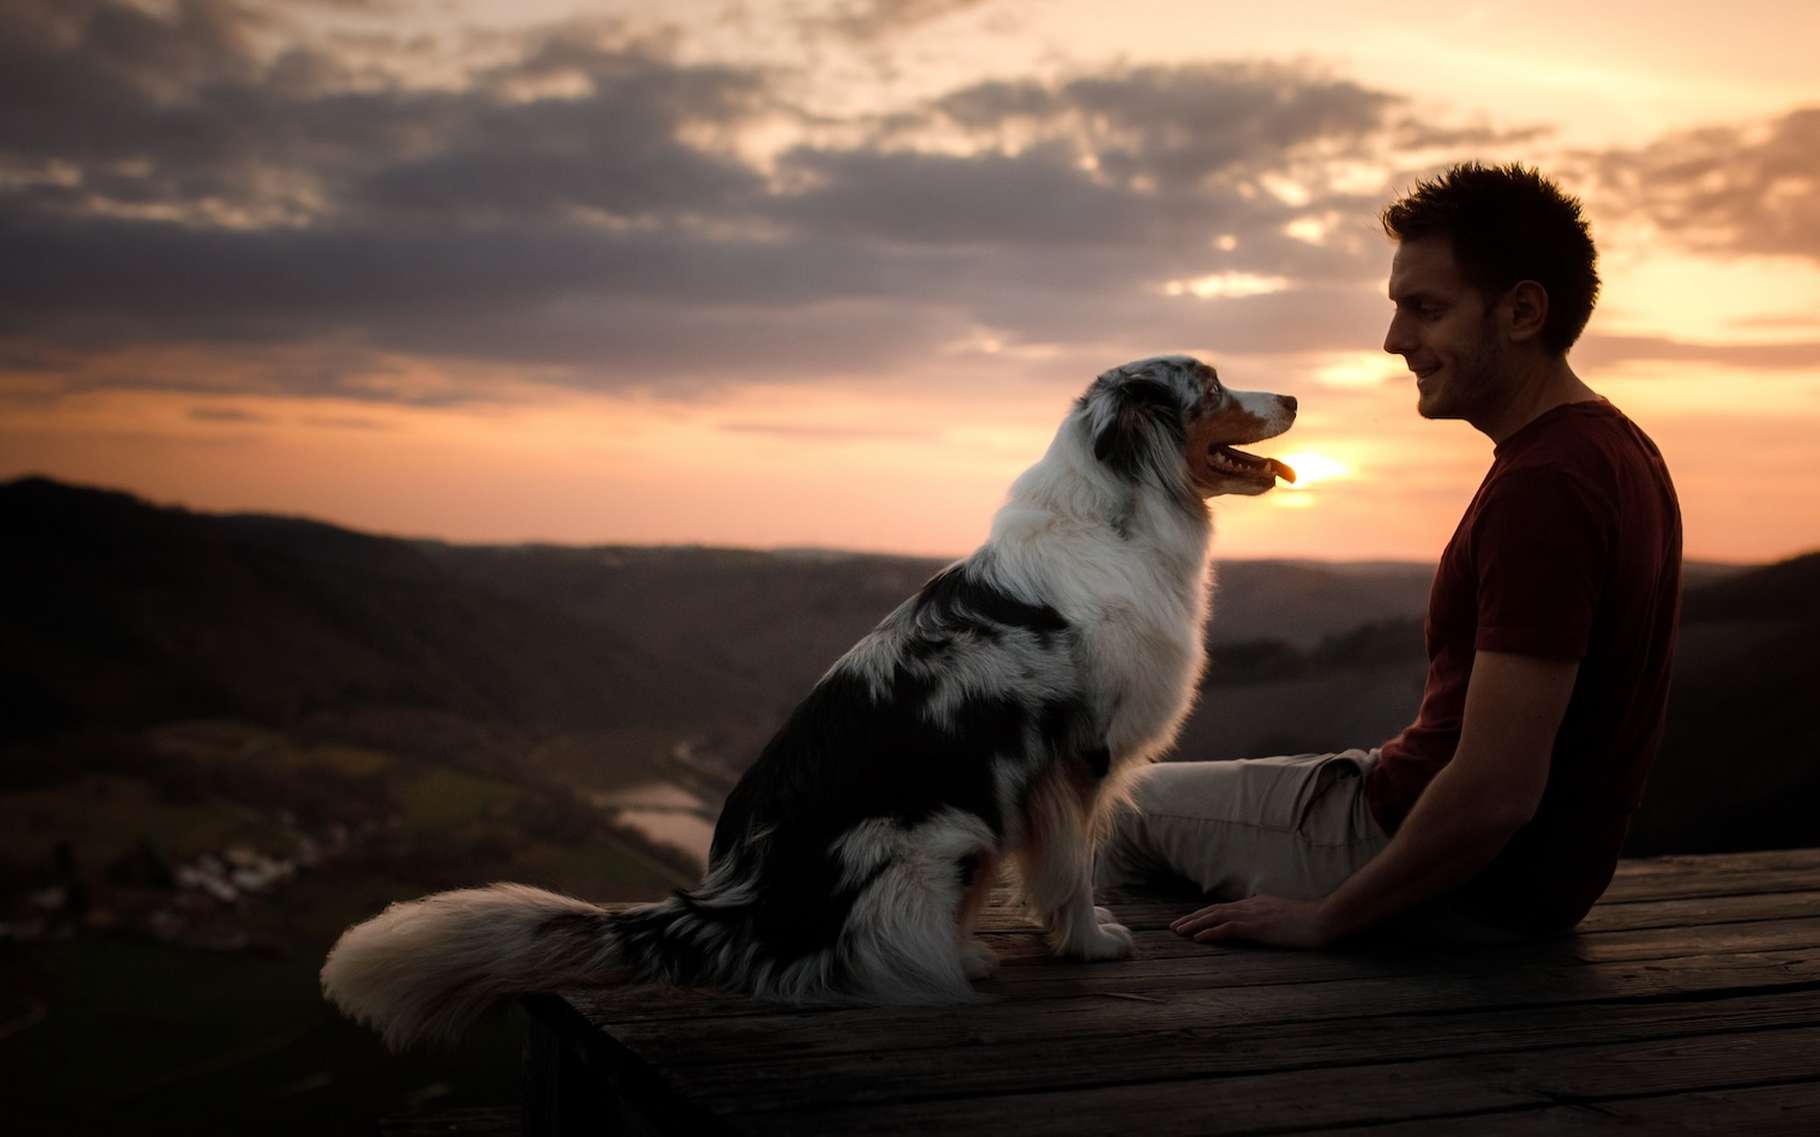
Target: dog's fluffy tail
{"points": [[426, 969]]}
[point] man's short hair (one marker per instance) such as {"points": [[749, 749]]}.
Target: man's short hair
{"points": [[1508, 224]]}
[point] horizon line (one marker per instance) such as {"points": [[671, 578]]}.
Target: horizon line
{"points": [[782, 550]]}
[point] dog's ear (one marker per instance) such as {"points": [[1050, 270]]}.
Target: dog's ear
{"points": [[1142, 426]]}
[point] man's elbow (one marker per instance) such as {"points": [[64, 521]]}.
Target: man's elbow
{"points": [[1489, 810], [1499, 814]]}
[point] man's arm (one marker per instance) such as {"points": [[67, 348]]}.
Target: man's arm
{"points": [[1468, 813]]}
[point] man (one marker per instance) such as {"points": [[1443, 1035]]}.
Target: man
{"points": [[1550, 629]]}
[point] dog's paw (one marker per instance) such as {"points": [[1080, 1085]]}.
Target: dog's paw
{"points": [[1106, 941], [978, 961], [1103, 915]]}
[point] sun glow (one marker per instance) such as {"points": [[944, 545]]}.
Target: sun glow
{"points": [[1359, 370], [1221, 285], [1311, 467]]}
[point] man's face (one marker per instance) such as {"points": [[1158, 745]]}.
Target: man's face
{"points": [[1445, 331]]}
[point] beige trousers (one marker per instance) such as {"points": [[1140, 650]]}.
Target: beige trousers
{"points": [[1295, 826]]}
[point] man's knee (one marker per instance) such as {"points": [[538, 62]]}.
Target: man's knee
{"points": [[1131, 851]]}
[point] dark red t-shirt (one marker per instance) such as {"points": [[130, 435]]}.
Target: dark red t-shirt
{"points": [[1571, 549]]}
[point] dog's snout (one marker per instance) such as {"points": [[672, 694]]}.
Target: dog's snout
{"points": [[1288, 403]]}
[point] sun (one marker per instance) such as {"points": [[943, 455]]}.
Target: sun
{"points": [[1311, 467]]}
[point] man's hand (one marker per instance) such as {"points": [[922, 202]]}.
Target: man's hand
{"points": [[1260, 919]]}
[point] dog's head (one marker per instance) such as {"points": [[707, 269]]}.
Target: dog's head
{"points": [[1169, 420]]}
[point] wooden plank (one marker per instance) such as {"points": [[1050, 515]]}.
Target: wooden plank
{"points": [[1183, 963], [1692, 911], [1167, 963], [1653, 878], [1024, 945], [580, 1081], [1026, 957], [465, 1121], [1696, 981], [1785, 1110], [1091, 1014], [1682, 864], [1668, 886], [1713, 939], [1344, 1096], [1532, 1121], [1234, 967], [1791, 1109], [1652, 902], [785, 1079], [1024, 948]]}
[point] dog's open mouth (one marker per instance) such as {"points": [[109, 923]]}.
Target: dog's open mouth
{"points": [[1238, 464]]}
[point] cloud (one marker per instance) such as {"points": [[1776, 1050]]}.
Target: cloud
{"points": [[1183, 128], [1601, 350], [224, 414], [816, 432], [122, 113], [589, 206], [345, 422], [869, 21], [1748, 189], [1416, 134]]}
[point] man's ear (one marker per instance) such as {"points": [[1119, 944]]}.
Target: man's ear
{"points": [[1528, 305], [1145, 417]]}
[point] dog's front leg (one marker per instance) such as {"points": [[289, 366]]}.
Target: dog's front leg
{"points": [[1057, 868]]}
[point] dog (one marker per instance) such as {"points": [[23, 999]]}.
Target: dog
{"points": [[993, 718]]}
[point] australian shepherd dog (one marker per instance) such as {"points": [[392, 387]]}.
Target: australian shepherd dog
{"points": [[990, 720]]}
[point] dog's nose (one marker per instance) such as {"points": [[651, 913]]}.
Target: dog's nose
{"points": [[1288, 402]]}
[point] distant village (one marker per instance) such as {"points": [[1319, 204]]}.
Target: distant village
{"points": [[196, 903]]}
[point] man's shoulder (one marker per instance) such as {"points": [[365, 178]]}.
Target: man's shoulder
{"points": [[1577, 475], [1583, 447], [1541, 501]]}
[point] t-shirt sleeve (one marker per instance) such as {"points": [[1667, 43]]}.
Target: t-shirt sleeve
{"points": [[1541, 545]]}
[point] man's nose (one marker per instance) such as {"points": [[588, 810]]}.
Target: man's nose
{"points": [[1396, 340]]}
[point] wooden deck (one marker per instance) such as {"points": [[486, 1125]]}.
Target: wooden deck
{"points": [[1688, 1002]]}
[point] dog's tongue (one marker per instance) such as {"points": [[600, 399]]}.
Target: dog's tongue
{"points": [[1277, 469]]}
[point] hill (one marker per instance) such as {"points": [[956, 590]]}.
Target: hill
{"points": [[1737, 767], [122, 613]]}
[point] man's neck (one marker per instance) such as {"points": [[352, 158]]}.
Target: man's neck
{"points": [[1540, 388]]}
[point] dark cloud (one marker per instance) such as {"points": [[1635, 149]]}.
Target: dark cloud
{"points": [[868, 21], [1180, 125], [1728, 190], [1037, 196], [182, 115], [1415, 134]]}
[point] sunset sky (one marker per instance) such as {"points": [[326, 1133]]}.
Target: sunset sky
{"points": [[829, 274]]}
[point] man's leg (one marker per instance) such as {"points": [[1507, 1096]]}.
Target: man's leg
{"points": [[1294, 826]]}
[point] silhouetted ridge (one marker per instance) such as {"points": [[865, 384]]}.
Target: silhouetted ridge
{"points": [[116, 612], [1785, 591]]}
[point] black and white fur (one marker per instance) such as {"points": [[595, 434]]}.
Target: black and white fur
{"points": [[991, 718]]}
